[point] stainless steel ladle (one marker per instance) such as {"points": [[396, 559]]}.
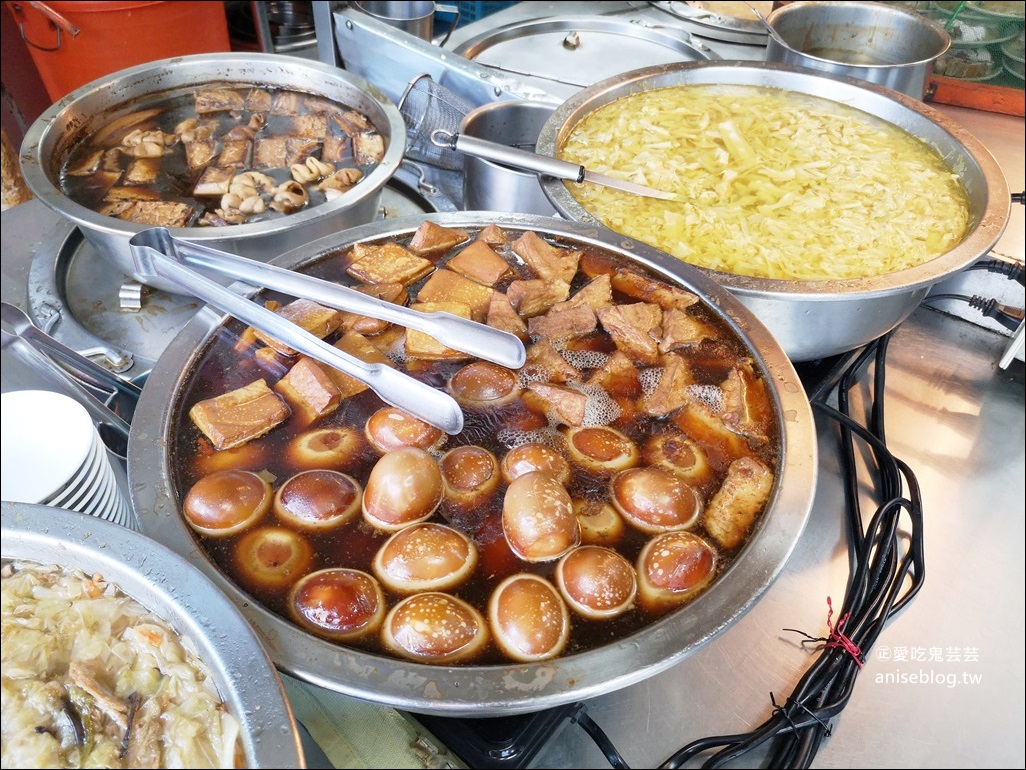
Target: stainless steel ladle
{"points": [[158, 254]]}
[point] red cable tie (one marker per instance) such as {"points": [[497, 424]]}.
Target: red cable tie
{"points": [[837, 637]]}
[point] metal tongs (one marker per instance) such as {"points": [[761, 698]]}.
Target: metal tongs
{"points": [[93, 386], [159, 254]]}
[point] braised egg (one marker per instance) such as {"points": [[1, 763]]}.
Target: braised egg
{"points": [[470, 475], [272, 558], [318, 500], [435, 627], [529, 618], [392, 428], [678, 453], [538, 518], [535, 456], [654, 499], [224, 503], [338, 603], [425, 557], [597, 582], [336, 447], [404, 487], [484, 385], [599, 521], [601, 449], [673, 568]]}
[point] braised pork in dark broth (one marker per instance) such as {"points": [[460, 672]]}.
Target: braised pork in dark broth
{"points": [[222, 155]]}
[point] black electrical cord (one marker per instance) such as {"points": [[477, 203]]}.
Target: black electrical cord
{"points": [[1013, 271], [1007, 316], [887, 569]]}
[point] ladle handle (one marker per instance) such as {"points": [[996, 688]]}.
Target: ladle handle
{"points": [[152, 258], [508, 156], [452, 331]]}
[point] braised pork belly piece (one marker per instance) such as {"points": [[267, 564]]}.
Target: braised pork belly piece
{"points": [[536, 295], [387, 263], [480, 263], [547, 261], [446, 286], [241, 415], [635, 329], [731, 511]]}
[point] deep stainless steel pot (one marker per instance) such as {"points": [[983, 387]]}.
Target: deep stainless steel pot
{"points": [[53, 135], [499, 689], [815, 319]]}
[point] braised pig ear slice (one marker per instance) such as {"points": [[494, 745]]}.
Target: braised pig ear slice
{"points": [[431, 239], [547, 261], [387, 263], [240, 415], [480, 263], [732, 510], [258, 100]]}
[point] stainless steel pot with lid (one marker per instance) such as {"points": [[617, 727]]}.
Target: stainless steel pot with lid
{"points": [[82, 112], [493, 690], [815, 319]]}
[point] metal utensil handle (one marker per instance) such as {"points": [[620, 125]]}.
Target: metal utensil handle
{"points": [[463, 334], [508, 156], [418, 398]]}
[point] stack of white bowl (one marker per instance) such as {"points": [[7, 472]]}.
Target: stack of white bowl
{"points": [[53, 455]]}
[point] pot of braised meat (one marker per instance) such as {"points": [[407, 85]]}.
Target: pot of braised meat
{"points": [[607, 509], [250, 153]]}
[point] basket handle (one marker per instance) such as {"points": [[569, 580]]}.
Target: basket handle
{"points": [[57, 22]]}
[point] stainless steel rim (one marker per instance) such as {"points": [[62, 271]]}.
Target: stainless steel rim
{"points": [[500, 689]]}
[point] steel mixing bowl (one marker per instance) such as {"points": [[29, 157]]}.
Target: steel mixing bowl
{"points": [[816, 319], [76, 116]]}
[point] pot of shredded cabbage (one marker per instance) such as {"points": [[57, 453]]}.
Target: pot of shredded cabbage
{"points": [[828, 205]]}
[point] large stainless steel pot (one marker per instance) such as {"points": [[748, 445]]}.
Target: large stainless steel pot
{"points": [[499, 689], [815, 319], [80, 113]]}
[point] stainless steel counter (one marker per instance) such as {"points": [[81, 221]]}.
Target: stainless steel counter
{"points": [[944, 686]]}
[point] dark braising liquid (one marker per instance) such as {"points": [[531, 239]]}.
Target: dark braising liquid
{"points": [[220, 369]]}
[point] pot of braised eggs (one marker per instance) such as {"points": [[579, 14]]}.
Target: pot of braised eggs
{"points": [[607, 508]]}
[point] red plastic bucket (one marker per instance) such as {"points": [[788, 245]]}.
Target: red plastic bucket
{"points": [[73, 43]]}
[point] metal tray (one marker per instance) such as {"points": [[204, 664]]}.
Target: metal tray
{"points": [[170, 586]]}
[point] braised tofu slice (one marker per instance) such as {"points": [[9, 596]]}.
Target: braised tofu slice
{"points": [[214, 182], [731, 511], [336, 149], [131, 193], [299, 148], [544, 363], [159, 213], [241, 415], [87, 164], [618, 376], [670, 393], [143, 171], [258, 100], [218, 100], [634, 329], [645, 289], [235, 154], [536, 295], [502, 316], [309, 390], [447, 286], [563, 322], [311, 126], [359, 347], [368, 148], [316, 319], [421, 345], [387, 263], [387, 292], [565, 404], [547, 261], [430, 240], [286, 103], [200, 154], [269, 152], [480, 263]]}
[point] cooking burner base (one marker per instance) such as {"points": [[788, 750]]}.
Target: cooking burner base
{"points": [[498, 742]]}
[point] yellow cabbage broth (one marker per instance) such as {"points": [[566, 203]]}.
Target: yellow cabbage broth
{"points": [[770, 183]]}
